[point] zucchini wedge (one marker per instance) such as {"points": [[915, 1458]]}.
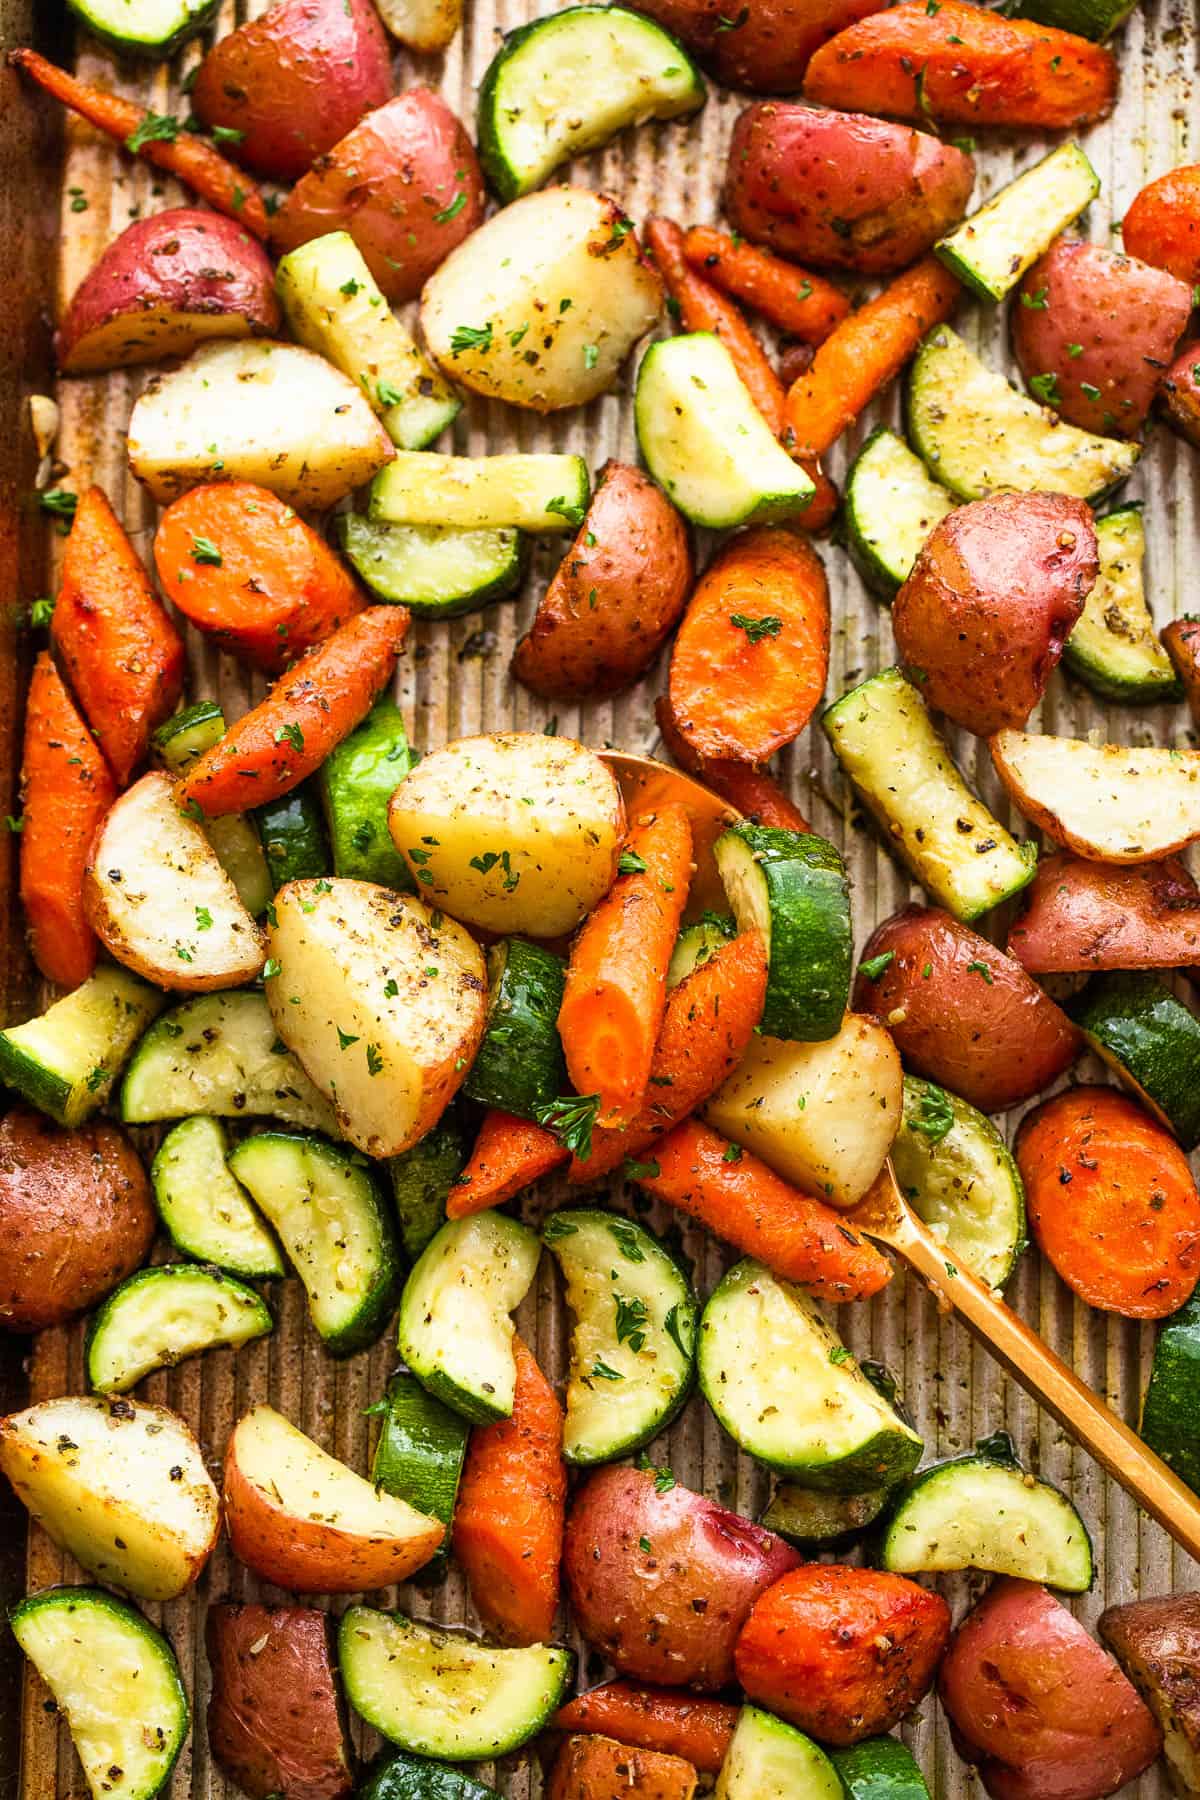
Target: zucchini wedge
{"points": [[891, 506], [1151, 1040], [65, 1061], [436, 571], [633, 1336], [162, 1315], [519, 1066], [187, 734], [818, 1520], [207, 1213], [482, 493], [1095, 19], [419, 1456], [441, 1694], [357, 779], [956, 1172], [397, 1776], [149, 28], [176, 744], [422, 1178], [770, 1760], [1112, 646], [879, 1768], [788, 1391], [991, 250], [1171, 1403], [697, 944], [293, 837]]}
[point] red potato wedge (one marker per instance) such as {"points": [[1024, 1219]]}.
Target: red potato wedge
{"points": [[1181, 641], [1043, 1711], [1105, 802], [671, 1613], [655, 1719], [1179, 393], [600, 1768], [283, 1494], [1081, 916], [294, 82], [165, 285], [1162, 226], [983, 617], [842, 190], [615, 596], [961, 64], [406, 185], [1104, 327], [963, 1013], [764, 46], [275, 1718], [1157, 1643]]}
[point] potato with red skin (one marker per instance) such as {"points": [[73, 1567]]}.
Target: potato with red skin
{"points": [[1179, 393], [963, 1013], [1043, 1711], [670, 1614], [842, 1653], [1162, 225], [767, 51], [75, 1217], [1105, 326], [992, 597], [394, 183], [294, 82], [275, 1718], [614, 597], [1081, 916], [1181, 641], [840, 189]]}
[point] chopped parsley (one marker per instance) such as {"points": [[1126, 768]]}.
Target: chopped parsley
{"points": [[571, 1118], [768, 626], [470, 337]]}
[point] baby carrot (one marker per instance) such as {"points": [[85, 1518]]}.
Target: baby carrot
{"points": [[794, 299], [509, 1155], [752, 791], [652, 1718], [616, 984]]}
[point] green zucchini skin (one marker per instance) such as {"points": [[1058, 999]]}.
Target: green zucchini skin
{"points": [[237, 1314], [293, 837], [879, 1768], [1094, 19], [116, 22], [990, 251], [891, 506], [957, 1173], [437, 572], [399, 1776], [520, 1066], [1112, 647], [206, 1212], [67, 1059], [815, 1519], [186, 735], [357, 779], [419, 1457], [1171, 1404], [1135, 1023], [422, 1178]]}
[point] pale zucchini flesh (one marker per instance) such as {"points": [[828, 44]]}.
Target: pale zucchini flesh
{"points": [[991, 250], [769, 1759], [150, 28], [66, 1060], [518, 491], [205, 1208], [1112, 646], [160, 1316], [891, 506], [1106, 802], [421, 24], [437, 571], [957, 1173]]}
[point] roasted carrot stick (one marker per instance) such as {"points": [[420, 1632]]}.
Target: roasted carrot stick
{"points": [[743, 1201], [702, 307], [123, 655], [751, 790], [508, 1519], [963, 65], [792, 298], [509, 1155], [309, 710], [244, 566], [666, 1719], [866, 351], [180, 152], [706, 1029], [616, 986], [599, 1768], [750, 659], [66, 790]]}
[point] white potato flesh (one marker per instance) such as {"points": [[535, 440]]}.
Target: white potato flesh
{"points": [[822, 1115], [1103, 801], [257, 411], [553, 294], [383, 1004], [305, 1482], [515, 832], [160, 902], [421, 24], [119, 1484]]}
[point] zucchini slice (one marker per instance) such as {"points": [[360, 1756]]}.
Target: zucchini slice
{"points": [[567, 83], [984, 1511], [186, 735], [955, 1170], [1112, 646], [66, 1061], [293, 837], [219, 1054], [698, 944], [990, 251], [436, 571], [813, 1518], [1151, 1040], [116, 1683], [454, 1330], [440, 1694], [482, 493], [788, 1391], [634, 1333], [792, 886], [178, 743], [770, 1760], [207, 1213], [419, 1456], [879, 1768], [358, 778], [326, 1206], [422, 1178], [891, 506], [1171, 1404], [160, 1316], [398, 1776], [519, 1066], [977, 435], [704, 440], [144, 27], [1095, 19], [886, 741]]}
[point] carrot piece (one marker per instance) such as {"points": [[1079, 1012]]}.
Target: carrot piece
{"points": [[752, 791], [743, 1201], [616, 985], [825, 501], [243, 566], [308, 711], [123, 655], [750, 659], [792, 298], [1160, 227], [185, 156], [1112, 1202], [703, 307], [866, 351], [66, 789], [707, 1026], [599, 1768], [653, 1718], [509, 1155], [963, 65], [508, 1519]]}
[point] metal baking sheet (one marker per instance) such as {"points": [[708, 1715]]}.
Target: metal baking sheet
{"points": [[454, 679]]}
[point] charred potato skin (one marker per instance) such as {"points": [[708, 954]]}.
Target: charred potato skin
{"points": [[614, 597], [1157, 1643], [75, 1218], [276, 1724]]}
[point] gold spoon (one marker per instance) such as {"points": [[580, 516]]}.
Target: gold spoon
{"points": [[884, 1216]]}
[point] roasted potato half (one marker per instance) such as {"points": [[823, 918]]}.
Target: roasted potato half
{"points": [[275, 1718]]}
